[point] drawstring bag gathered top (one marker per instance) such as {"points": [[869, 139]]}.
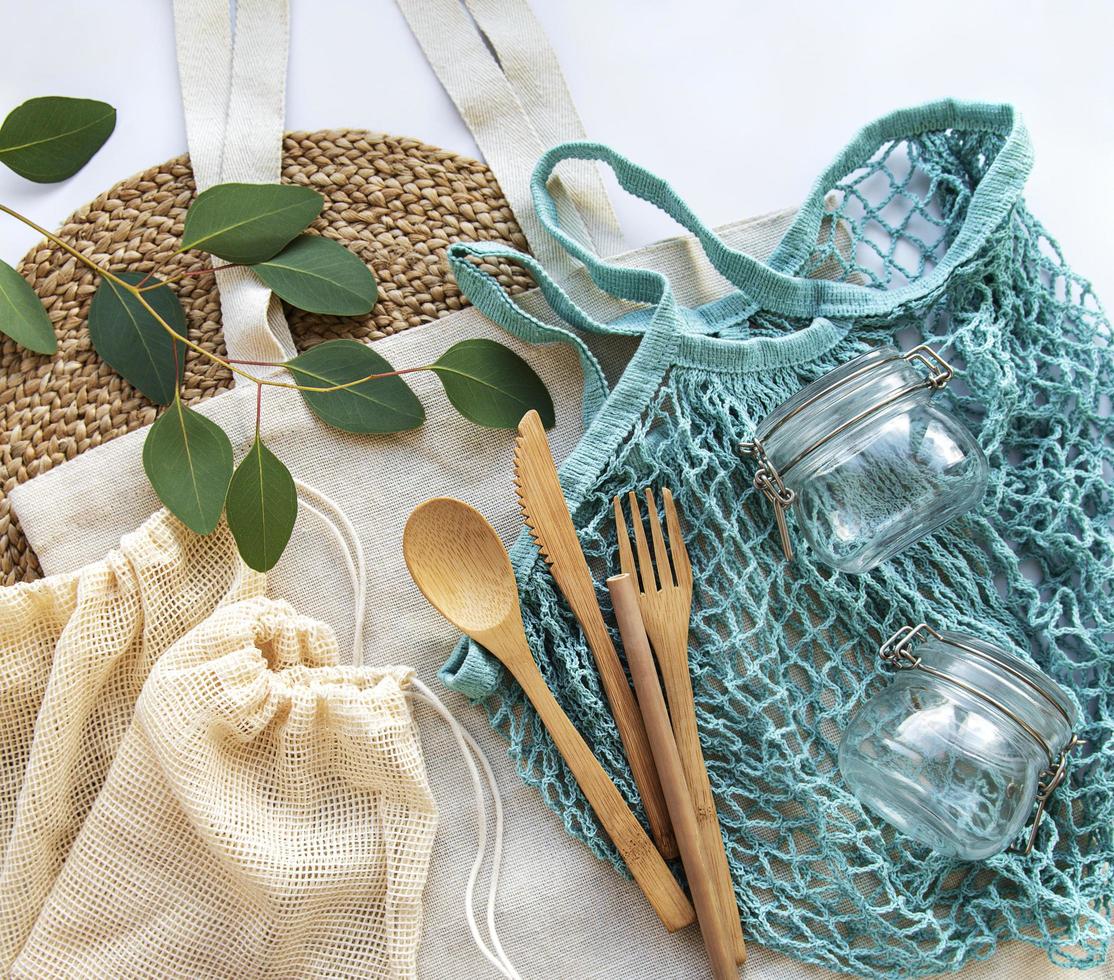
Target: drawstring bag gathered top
{"points": [[287, 816], [916, 235]]}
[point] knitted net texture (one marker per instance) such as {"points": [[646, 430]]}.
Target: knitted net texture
{"points": [[76, 650], [782, 655]]}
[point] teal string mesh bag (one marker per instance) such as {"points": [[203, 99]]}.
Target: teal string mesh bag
{"points": [[922, 233]]}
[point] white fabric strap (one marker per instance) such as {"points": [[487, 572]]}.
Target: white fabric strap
{"points": [[233, 78], [204, 40], [531, 66], [516, 104]]}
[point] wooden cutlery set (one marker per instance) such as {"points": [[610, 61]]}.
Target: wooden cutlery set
{"points": [[462, 568]]}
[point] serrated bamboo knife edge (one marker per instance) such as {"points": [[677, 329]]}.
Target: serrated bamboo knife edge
{"points": [[547, 516]]}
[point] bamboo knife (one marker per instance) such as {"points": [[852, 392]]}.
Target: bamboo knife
{"points": [[543, 506]]}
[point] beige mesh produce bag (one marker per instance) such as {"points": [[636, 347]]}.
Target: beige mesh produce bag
{"points": [[267, 815], [75, 650], [32, 618]]}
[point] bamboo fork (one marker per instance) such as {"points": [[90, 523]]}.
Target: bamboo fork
{"points": [[665, 600], [636, 645]]}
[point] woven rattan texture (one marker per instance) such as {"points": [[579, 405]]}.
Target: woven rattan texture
{"points": [[395, 202]]}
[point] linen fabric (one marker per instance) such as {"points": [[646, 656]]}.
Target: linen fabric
{"points": [[268, 814], [75, 650], [942, 251]]}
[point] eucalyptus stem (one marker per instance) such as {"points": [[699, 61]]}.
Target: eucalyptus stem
{"points": [[370, 377], [240, 360], [137, 291], [62, 245], [177, 277]]}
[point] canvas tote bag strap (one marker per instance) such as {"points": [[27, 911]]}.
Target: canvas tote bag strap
{"points": [[501, 72], [531, 66], [232, 67]]}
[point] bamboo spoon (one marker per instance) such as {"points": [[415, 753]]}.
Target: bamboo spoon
{"points": [[457, 560], [713, 927]]}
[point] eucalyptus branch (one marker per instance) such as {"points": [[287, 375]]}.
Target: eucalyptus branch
{"points": [[270, 382], [370, 377], [177, 277], [54, 239], [142, 334], [138, 290]]}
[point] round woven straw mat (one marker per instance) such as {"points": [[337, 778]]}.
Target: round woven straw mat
{"points": [[395, 202]]}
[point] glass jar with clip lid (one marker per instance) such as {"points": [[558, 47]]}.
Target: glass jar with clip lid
{"points": [[961, 746], [866, 460]]}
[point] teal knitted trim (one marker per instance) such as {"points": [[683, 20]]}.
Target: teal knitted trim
{"points": [[928, 240]]}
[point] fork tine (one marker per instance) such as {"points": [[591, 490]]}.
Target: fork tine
{"points": [[661, 554], [645, 565], [682, 568], [626, 556]]}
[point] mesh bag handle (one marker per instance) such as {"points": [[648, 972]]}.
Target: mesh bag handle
{"points": [[760, 285]]}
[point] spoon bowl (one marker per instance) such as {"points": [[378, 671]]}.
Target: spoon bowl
{"points": [[460, 565]]}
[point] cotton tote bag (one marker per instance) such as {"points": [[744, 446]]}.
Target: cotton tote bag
{"points": [[268, 815], [75, 650]]}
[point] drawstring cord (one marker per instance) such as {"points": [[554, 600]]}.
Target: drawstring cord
{"points": [[468, 746], [357, 573]]}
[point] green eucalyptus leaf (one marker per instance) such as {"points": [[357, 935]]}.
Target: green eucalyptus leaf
{"points": [[52, 138], [22, 316], [188, 460], [249, 223], [489, 384], [319, 275], [262, 507], [132, 342], [382, 405]]}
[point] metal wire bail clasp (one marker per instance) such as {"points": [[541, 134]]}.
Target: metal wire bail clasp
{"points": [[1050, 779], [940, 372], [897, 651], [773, 488]]}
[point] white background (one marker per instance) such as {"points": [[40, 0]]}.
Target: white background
{"points": [[738, 104]]}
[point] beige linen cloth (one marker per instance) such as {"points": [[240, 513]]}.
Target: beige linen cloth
{"points": [[267, 815], [75, 650]]}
